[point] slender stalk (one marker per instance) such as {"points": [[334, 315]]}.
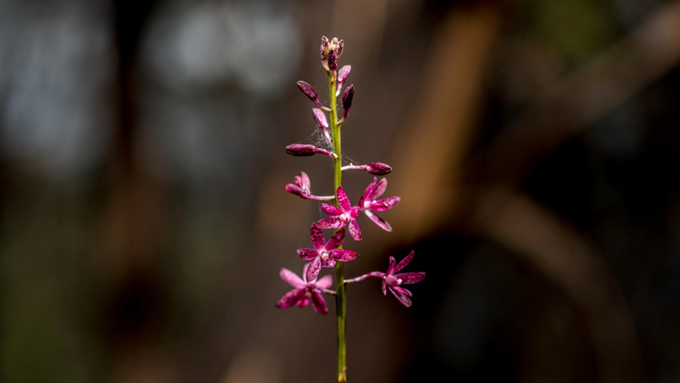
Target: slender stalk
{"points": [[340, 298]]}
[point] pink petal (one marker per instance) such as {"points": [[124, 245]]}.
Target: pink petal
{"points": [[379, 189], [410, 278], [330, 262], [384, 286], [294, 189], [343, 255], [319, 303], [303, 302], [378, 221], [402, 290], [385, 204], [404, 262], [330, 223], [307, 254], [320, 118], [316, 234], [390, 268], [305, 182], [290, 298], [313, 269], [405, 300], [336, 240], [298, 181], [330, 209], [325, 282], [354, 213], [290, 278], [354, 230], [343, 201], [369, 189]]}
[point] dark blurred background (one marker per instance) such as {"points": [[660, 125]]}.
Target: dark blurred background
{"points": [[535, 146]]}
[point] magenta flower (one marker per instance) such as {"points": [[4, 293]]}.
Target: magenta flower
{"points": [[303, 188], [324, 254], [345, 215], [304, 291], [394, 281], [370, 205]]}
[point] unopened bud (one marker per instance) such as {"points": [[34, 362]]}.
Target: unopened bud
{"points": [[322, 123], [347, 99], [323, 51], [378, 168], [309, 91], [341, 47], [343, 73], [332, 60], [302, 150]]}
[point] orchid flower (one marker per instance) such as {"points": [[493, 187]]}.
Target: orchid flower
{"points": [[342, 216], [394, 281], [304, 291], [324, 254], [303, 188], [370, 205]]}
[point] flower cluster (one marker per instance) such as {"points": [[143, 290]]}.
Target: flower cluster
{"points": [[342, 215]]}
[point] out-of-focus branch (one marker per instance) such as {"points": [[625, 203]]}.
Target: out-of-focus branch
{"points": [[574, 103], [570, 263]]}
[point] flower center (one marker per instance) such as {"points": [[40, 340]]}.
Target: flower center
{"points": [[325, 255]]}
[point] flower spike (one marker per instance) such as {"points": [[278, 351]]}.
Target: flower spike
{"points": [[303, 150]]}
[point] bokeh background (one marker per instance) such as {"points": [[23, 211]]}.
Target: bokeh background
{"points": [[535, 146]]}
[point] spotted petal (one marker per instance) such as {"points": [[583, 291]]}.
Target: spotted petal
{"points": [[291, 278], [336, 240], [317, 237], [401, 295], [410, 278], [308, 254], [319, 303], [378, 189], [354, 230], [331, 223], [378, 221], [385, 204], [404, 262], [369, 189], [313, 270], [330, 209], [325, 282], [343, 255], [343, 200], [290, 298]]}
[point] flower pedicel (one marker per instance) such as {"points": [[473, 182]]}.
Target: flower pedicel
{"points": [[342, 214]]}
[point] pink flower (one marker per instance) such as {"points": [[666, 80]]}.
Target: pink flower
{"points": [[304, 291], [370, 205], [324, 254], [303, 188], [345, 215], [394, 281]]}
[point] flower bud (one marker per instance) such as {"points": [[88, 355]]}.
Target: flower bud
{"points": [[332, 60], [302, 150], [343, 73], [378, 168], [321, 122], [341, 47], [347, 99], [309, 91], [323, 51]]}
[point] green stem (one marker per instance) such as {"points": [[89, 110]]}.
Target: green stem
{"points": [[340, 298]]}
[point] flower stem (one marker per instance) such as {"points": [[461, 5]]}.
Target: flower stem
{"points": [[340, 298]]}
